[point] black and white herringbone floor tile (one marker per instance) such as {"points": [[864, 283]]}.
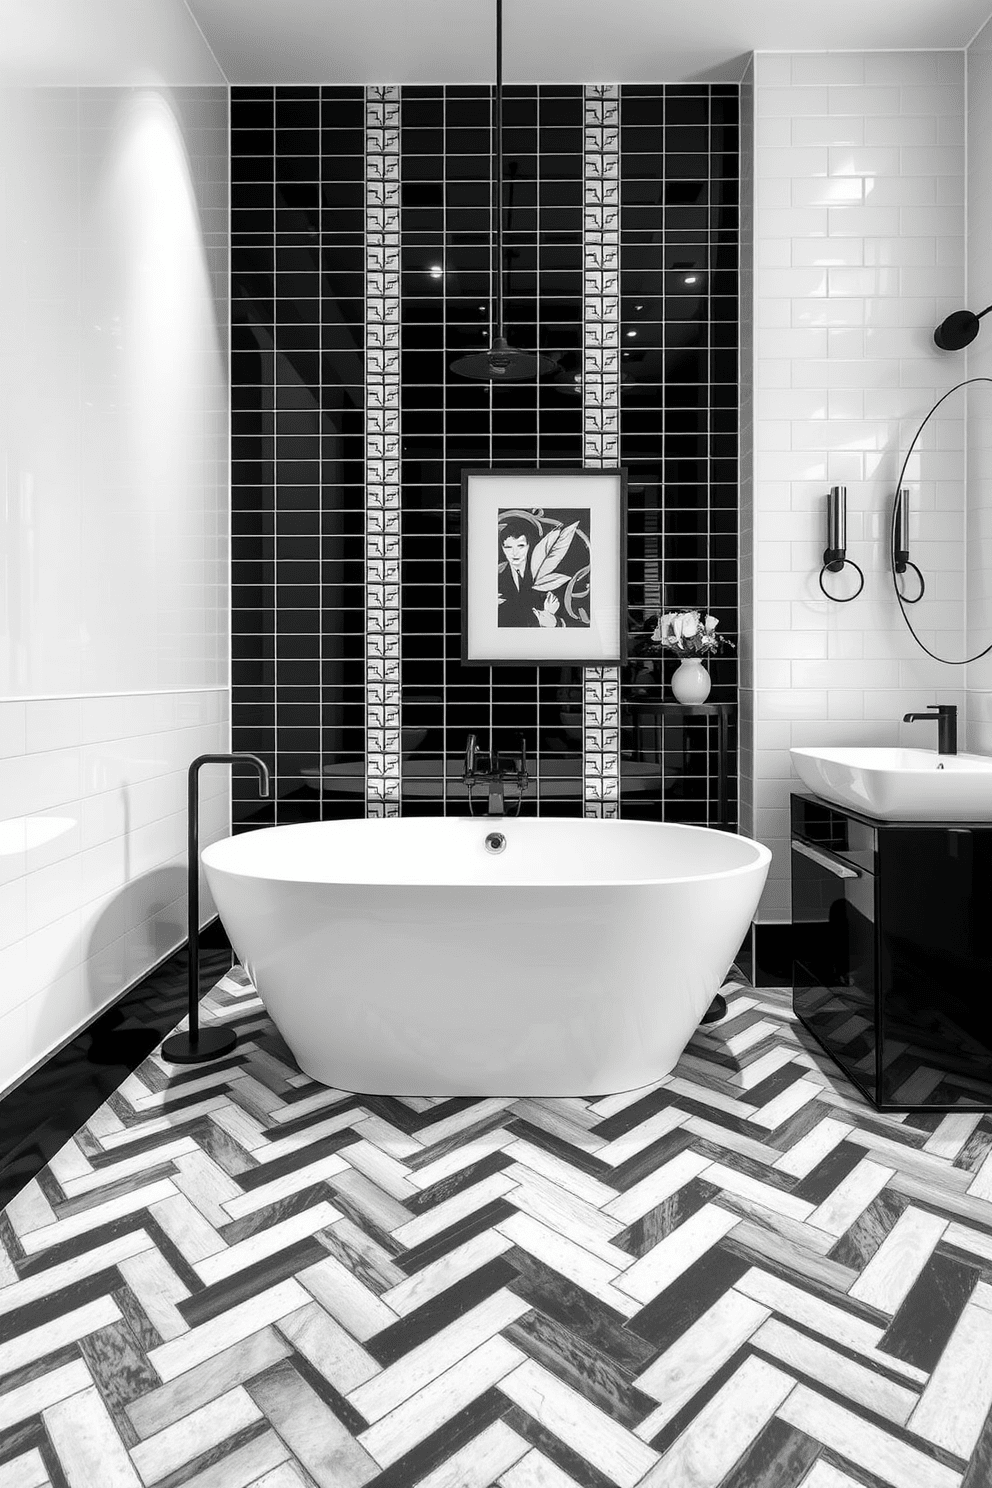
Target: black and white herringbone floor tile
{"points": [[741, 1277]]}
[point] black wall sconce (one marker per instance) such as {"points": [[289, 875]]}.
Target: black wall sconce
{"points": [[835, 557], [900, 545], [958, 330]]}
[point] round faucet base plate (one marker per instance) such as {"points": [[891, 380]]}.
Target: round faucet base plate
{"points": [[210, 1043]]}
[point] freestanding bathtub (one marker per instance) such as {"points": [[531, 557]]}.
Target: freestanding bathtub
{"points": [[406, 957]]}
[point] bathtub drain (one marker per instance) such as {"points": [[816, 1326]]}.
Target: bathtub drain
{"points": [[495, 842]]}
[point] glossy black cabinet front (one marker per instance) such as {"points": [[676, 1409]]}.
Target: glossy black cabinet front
{"points": [[893, 953]]}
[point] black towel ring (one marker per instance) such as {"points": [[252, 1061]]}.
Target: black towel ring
{"points": [[904, 598], [838, 568]]}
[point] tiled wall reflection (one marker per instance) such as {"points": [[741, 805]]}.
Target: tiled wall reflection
{"points": [[298, 256], [451, 421], [298, 500], [678, 415]]}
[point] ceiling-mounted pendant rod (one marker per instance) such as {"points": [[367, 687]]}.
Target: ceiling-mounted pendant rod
{"points": [[498, 173], [502, 362]]}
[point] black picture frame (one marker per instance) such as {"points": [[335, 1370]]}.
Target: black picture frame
{"points": [[603, 492]]}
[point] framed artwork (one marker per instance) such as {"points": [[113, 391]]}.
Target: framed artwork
{"points": [[543, 566]]}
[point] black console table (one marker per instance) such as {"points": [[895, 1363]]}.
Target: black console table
{"points": [[658, 712]]}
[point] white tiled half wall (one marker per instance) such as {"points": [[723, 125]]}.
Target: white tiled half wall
{"points": [[93, 852], [114, 505], [859, 176]]}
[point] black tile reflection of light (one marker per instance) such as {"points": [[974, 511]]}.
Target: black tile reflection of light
{"points": [[470, 113], [42, 1113], [678, 428]]}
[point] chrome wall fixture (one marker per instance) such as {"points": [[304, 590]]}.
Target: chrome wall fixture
{"points": [[901, 562], [958, 330], [835, 558]]}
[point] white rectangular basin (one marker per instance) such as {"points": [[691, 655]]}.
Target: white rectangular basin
{"points": [[900, 784]]}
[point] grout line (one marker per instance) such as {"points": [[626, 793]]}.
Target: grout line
{"points": [[276, 752], [230, 443], [321, 777], [69, 697], [858, 51], [209, 47]]}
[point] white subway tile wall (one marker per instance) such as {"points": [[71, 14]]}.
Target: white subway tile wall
{"points": [[858, 223], [93, 852]]}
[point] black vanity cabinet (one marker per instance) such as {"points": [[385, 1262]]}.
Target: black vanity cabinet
{"points": [[892, 940]]}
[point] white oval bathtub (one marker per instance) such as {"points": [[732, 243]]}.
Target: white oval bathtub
{"points": [[402, 957]]}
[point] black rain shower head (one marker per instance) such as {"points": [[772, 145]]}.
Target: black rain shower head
{"points": [[958, 330], [502, 363]]}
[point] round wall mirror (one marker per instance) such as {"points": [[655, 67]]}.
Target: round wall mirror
{"points": [[941, 529]]}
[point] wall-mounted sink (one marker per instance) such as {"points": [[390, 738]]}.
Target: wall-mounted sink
{"points": [[900, 784]]}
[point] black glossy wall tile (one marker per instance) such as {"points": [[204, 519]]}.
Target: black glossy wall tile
{"points": [[678, 431], [298, 369], [298, 314]]}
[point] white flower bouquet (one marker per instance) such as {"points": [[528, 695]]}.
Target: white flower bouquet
{"points": [[688, 633]]}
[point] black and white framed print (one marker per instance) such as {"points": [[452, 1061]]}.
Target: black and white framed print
{"points": [[543, 574]]}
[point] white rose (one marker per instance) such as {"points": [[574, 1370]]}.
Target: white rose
{"points": [[690, 623]]}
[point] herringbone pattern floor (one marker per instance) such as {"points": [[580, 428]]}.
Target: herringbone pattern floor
{"points": [[738, 1278]]}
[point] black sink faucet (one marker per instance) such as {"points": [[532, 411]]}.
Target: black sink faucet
{"points": [[947, 725]]}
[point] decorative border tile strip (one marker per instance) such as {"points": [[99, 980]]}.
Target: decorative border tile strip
{"points": [[601, 409], [382, 450]]}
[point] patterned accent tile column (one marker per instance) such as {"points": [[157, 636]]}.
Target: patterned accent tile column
{"points": [[382, 450], [601, 409]]}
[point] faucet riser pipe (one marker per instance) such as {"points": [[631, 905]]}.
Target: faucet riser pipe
{"points": [[196, 1044]]}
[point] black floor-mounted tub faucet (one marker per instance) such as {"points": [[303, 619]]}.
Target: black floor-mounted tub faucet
{"points": [[197, 1044]]}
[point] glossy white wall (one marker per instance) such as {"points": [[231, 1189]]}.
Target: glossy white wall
{"points": [[114, 520], [117, 43], [859, 252], [979, 364], [114, 410]]}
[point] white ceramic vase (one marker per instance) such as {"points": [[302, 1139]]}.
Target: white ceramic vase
{"points": [[691, 682]]}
